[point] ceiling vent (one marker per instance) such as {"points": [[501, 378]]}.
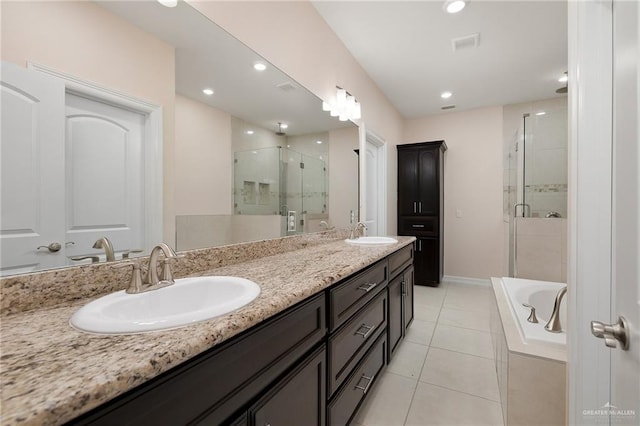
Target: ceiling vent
{"points": [[287, 86], [465, 42]]}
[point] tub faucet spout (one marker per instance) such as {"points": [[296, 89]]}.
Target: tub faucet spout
{"points": [[554, 325]]}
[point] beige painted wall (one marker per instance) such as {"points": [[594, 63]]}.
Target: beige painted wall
{"points": [[203, 159], [88, 42], [472, 184]]}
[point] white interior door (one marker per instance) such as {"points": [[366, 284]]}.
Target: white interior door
{"points": [[105, 171], [32, 185], [625, 364], [372, 182]]}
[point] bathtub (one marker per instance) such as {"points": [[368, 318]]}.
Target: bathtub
{"points": [[541, 295], [530, 361]]}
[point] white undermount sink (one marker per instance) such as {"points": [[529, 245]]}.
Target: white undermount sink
{"points": [[187, 301], [372, 240]]}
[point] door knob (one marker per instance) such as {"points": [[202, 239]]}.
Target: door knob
{"points": [[53, 247], [612, 333]]}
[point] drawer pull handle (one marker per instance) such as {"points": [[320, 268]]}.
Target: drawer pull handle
{"points": [[366, 332], [367, 287], [369, 381], [417, 226]]}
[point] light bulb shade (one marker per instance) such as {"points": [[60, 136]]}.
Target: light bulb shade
{"points": [[334, 112], [357, 111], [341, 99], [326, 106], [343, 117]]}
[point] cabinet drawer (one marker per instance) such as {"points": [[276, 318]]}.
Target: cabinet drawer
{"points": [[359, 333], [349, 398], [400, 260], [347, 298], [215, 385], [426, 226], [298, 399]]}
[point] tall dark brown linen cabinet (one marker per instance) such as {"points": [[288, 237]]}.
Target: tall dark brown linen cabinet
{"points": [[421, 204]]}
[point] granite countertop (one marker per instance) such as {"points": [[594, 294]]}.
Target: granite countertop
{"points": [[51, 373]]}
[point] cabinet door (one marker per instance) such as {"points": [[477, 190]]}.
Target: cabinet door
{"points": [[407, 182], [298, 399], [396, 323], [429, 194], [427, 262], [407, 300]]}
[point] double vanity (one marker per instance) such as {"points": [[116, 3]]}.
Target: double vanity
{"points": [[307, 350]]}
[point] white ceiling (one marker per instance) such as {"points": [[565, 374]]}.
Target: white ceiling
{"points": [[405, 46]]}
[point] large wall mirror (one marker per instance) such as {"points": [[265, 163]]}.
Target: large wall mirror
{"points": [[107, 131]]}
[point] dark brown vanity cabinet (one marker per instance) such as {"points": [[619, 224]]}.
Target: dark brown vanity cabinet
{"points": [[357, 344], [421, 205], [400, 290]]}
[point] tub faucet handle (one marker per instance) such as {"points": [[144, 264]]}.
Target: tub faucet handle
{"points": [[532, 316]]}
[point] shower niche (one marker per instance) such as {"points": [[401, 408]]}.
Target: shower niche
{"points": [[278, 181]]}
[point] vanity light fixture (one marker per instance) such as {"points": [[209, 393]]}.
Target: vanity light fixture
{"points": [[207, 91], [446, 95], [454, 6], [168, 3], [346, 106], [259, 66]]}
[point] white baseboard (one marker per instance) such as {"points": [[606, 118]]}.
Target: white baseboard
{"points": [[466, 280]]}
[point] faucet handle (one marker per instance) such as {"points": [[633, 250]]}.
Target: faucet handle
{"points": [[532, 316], [135, 286]]}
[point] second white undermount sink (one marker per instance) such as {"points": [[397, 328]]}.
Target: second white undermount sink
{"points": [[187, 301], [372, 240]]}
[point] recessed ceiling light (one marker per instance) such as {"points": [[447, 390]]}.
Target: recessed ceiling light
{"points": [[284, 126], [168, 3], [446, 95], [454, 6], [564, 79], [540, 113], [319, 142], [259, 66], [249, 132], [207, 92]]}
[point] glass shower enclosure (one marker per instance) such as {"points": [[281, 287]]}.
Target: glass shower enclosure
{"points": [[535, 174], [279, 181]]}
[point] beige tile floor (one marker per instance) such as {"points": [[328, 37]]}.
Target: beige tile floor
{"points": [[443, 372]]}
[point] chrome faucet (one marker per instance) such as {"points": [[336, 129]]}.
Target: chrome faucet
{"points": [[357, 231], [554, 325], [104, 243]]}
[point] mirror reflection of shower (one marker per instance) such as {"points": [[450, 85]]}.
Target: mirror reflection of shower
{"points": [[280, 181]]}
